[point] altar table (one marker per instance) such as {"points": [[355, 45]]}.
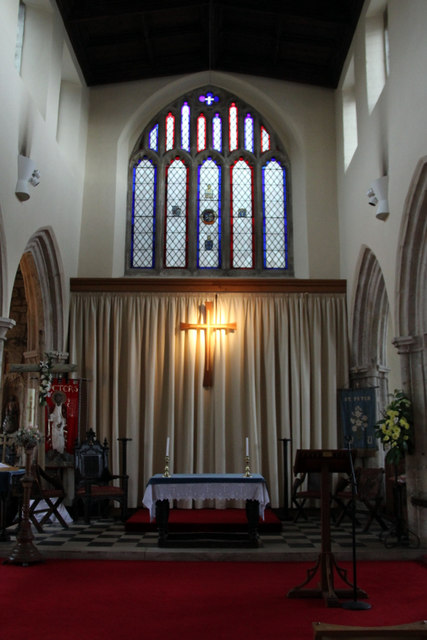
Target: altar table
{"points": [[161, 490]]}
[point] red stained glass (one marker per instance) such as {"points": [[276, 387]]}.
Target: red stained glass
{"points": [[265, 139], [201, 132], [170, 131], [233, 129]]}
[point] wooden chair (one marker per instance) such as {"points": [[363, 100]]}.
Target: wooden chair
{"points": [[47, 494], [301, 493], [93, 478], [369, 493]]}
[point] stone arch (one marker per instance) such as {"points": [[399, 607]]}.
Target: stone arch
{"points": [[411, 344], [43, 276], [37, 314], [370, 323]]}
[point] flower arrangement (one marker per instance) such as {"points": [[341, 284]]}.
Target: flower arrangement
{"points": [[28, 437], [45, 380], [395, 429]]}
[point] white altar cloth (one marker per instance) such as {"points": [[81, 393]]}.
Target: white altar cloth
{"points": [[206, 486]]}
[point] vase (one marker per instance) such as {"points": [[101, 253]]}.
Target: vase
{"points": [[25, 552]]}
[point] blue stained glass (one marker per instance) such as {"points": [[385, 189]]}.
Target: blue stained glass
{"points": [[154, 138], [209, 98], [249, 133]]}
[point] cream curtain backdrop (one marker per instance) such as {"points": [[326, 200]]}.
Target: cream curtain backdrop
{"points": [[275, 377]]}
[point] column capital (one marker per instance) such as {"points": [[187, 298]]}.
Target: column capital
{"points": [[58, 357], [410, 344], [5, 325]]}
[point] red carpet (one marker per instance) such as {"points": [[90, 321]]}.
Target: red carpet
{"points": [[117, 600], [202, 520]]}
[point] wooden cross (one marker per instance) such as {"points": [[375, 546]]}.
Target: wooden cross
{"points": [[208, 327], [35, 368]]}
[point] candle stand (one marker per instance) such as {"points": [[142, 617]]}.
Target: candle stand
{"points": [[25, 552], [166, 473], [247, 473]]}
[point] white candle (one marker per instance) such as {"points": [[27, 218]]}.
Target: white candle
{"points": [[247, 447], [31, 406], [167, 446]]}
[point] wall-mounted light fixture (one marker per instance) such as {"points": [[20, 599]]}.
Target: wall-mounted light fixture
{"points": [[377, 195], [27, 175]]}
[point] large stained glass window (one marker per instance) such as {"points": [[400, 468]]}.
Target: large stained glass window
{"points": [[208, 191]]}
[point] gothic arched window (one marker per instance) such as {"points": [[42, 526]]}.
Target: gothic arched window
{"points": [[208, 192]]}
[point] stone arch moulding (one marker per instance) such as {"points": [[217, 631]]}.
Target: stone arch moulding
{"points": [[42, 256], [2, 266], [369, 334], [412, 258]]}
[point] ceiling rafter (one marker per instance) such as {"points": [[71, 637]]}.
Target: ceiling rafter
{"points": [[121, 40]]}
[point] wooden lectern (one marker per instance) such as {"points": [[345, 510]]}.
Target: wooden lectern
{"points": [[325, 462]]}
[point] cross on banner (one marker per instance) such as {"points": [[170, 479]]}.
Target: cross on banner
{"points": [[208, 327]]}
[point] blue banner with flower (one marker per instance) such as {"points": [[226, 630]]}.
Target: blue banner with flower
{"points": [[358, 417]]}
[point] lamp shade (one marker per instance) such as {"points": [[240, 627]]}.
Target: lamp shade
{"points": [[26, 168], [380, 187]]}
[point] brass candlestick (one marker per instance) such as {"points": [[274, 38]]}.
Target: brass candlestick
{"points": [[166, 473], [247, 473]]}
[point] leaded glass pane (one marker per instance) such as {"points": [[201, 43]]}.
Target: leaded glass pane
{"points": [[185, 127], [217, 132], [176, 215], [249, 133], [233, 133], [143, 215], [242, 216], [201, 132], [265, 140], [274, 210], [209, 215], [170, 132], [153, 138]]}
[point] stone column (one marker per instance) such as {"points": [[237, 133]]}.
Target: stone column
{"points": [[5, 325], [413, 358], [372, 376]]}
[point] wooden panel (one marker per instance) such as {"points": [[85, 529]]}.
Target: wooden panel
{"points": [[217, 285], [324, 631]]}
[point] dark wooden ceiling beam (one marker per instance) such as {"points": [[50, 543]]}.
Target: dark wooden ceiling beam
{"points": [[117, 40]]}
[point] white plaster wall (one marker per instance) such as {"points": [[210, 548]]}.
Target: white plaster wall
{"points": [[391, 141], [302, 116], [26, 128]]}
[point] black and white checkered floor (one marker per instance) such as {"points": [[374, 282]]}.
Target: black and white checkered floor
{"points": [[107, 538]]}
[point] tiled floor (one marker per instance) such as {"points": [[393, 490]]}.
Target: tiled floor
{"points": [[296, 542]]}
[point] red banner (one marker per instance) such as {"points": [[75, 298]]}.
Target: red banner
{"points": [[62, 416]]}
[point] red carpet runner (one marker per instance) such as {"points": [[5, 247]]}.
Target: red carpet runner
{"points": [[199, 520], [117, 600]]}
